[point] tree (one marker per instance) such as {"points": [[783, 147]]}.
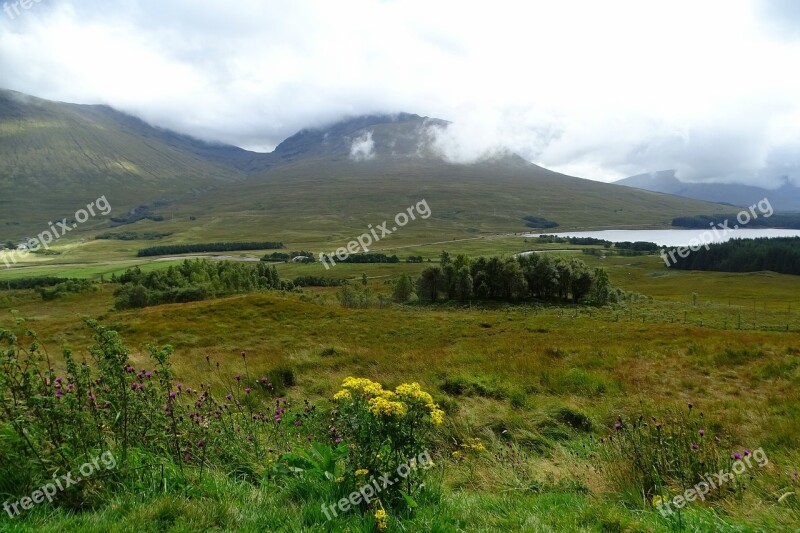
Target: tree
{"points": [[462, 285], [430, 283], [403, 289], [364, 279]]}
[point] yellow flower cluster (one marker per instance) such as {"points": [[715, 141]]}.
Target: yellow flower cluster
{"points": [[412, 392], [385, 402], [474, 445], [382, 406], [342, 395], [659, 500], [362, 472], [380, 519]]}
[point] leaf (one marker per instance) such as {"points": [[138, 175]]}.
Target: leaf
{"points": [[409, 500]]}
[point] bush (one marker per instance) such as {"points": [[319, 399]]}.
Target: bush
{"points": [[385, 430]]}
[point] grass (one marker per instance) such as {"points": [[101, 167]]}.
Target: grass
{"points": [[536, 378]]}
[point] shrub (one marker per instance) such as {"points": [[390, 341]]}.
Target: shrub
{"points": [[384, 430]]}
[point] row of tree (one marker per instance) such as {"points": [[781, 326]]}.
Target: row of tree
{"points": [[514, 278], [169, 249], [194, 280], [745, 255]]}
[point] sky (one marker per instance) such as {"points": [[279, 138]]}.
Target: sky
{"points": [[600, 90]]}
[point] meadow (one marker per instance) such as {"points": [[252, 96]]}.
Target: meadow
{"points": [[531, 394]]}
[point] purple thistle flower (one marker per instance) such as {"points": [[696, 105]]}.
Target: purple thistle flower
{"points": [[277, 418], [338, 440], [746, 452], [238, 377], [244, 354], [59, 394], [172, 395], [188, 456], [263, 379], [201, 444], [701, 432], [58, 380], [148, 374], [617, 426], [298, 422], [695, 446], [229, 396], [247, 390], [179, 386], [71, 386], [736, 455]]}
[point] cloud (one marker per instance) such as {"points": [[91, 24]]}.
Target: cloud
{"points": [[363, 148], [588, 88]]}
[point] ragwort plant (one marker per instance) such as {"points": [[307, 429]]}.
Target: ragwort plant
{"points": [[383, 431]]}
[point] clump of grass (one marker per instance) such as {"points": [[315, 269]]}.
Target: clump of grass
{"points": [[651, 456]]}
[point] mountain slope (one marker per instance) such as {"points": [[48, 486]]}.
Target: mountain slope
{"points": [[786, 198], [319, 185], [56, 157]]}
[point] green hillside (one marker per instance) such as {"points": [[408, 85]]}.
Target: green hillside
{"points": [[56, 157]]}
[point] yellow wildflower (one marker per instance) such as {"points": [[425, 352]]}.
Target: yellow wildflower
{"points": [[474, 444], [437, 416], [362, 472], [380, 519], [342, 395], [339, 479], [413, 391], [659, 500], [382, 406]]}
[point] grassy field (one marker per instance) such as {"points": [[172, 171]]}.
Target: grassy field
{"points": [[506, 374]]}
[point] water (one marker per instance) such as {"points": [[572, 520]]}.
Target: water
{"points": [[675, 237]]}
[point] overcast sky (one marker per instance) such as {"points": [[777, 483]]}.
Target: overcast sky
{"points": [[600, 90]]}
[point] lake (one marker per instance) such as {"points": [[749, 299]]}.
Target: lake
{"points": [[674, 237]]}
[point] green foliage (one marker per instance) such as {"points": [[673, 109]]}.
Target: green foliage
{"points": [[67, 287], [32, 283], [777, 220], [515, 278], [362, 258], [403, 289], [280, 257], [744, 255], [169, 249], [132, 235], [354, 297], [539, 222], [194, 280]]}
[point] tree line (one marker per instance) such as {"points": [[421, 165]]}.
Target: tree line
{"points": [[780, 254], [531, 276], [193, 280], [169, 249]]}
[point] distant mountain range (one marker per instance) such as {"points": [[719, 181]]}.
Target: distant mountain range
{"points": [[786, 198], [320, 183]]}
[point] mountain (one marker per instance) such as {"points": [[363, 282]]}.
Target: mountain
{"points": [[319, 185], [785, 198]]}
